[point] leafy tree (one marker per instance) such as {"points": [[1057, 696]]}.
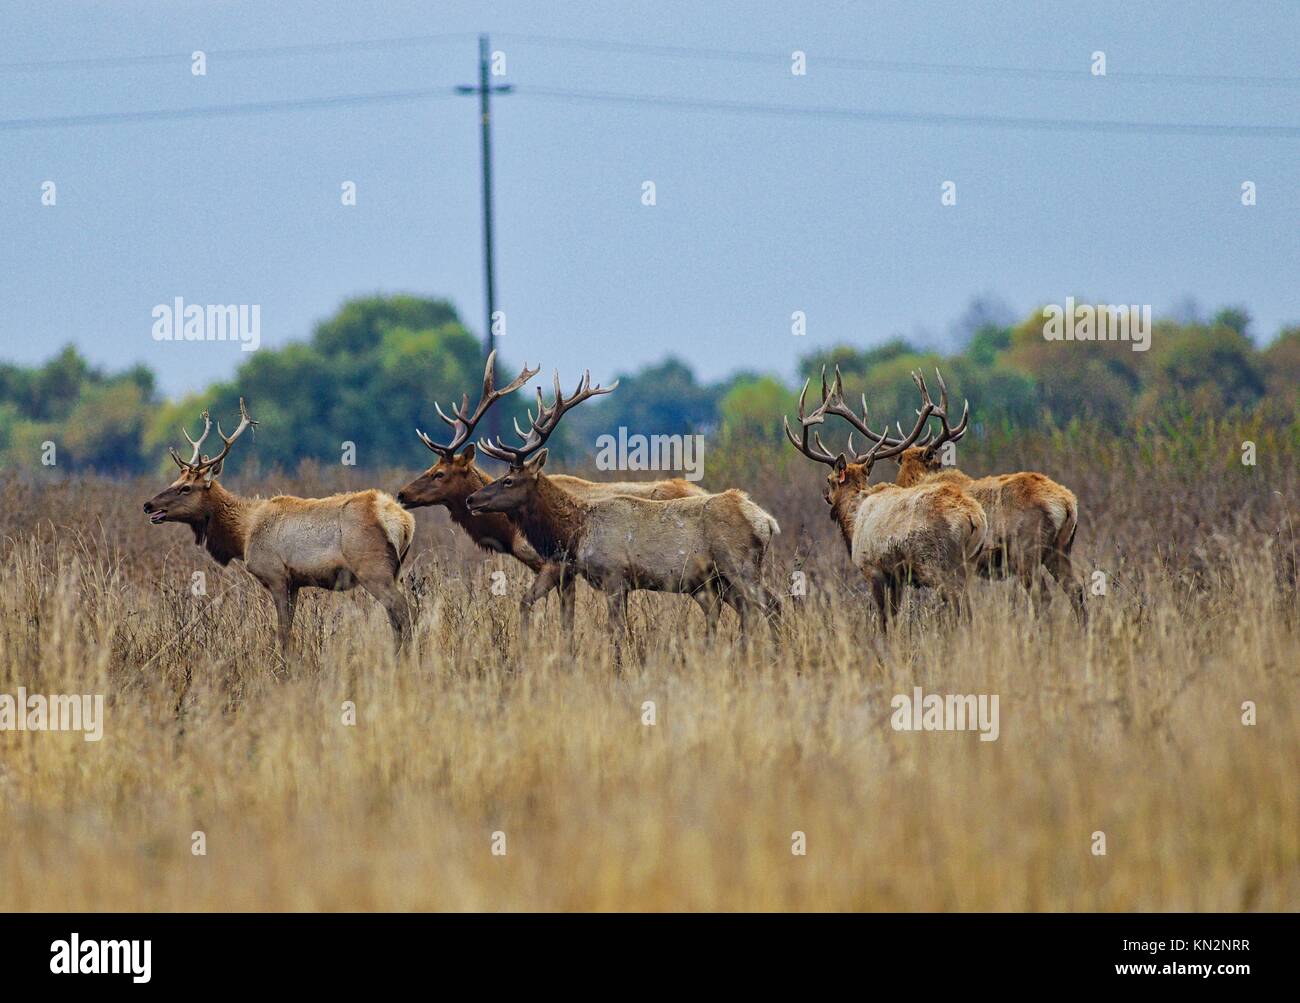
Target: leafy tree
{"points": [[662, 399], [1095, 380], [1234, 318], [1280, 362], [1206, 370], [753, 407]]}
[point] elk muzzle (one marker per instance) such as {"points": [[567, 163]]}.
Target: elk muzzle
{"points": [[155, 514]]}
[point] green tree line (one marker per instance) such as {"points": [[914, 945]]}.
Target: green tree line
{"points": [[369, 375]]}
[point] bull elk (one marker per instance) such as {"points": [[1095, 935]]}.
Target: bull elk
{"points": [[455, 476], [710, 546], [290, 543], [1032, 518], [927, 535]]}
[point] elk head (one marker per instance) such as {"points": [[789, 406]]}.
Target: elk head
{"points": [[923, 457], [453, 476], [514, 488], [850, 470], [189, 498]]}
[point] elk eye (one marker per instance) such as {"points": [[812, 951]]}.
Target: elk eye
{"points": [[509, 481], [439, 474], [185, 490]]}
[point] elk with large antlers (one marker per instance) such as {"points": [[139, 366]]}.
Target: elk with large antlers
{"points": [[290, 543], [1032, 518], [710, 546], [927, 535], [455, 476]]}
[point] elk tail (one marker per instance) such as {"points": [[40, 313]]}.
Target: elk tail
{"points": [[977, 538], [1064, 538]]}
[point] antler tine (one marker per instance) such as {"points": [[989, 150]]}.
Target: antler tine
{"points": [[836, 405], [883, 445], [806, 421], [949, 433], [198, 446], [544, 423], [886, 447], [245, 422], [450, 421], [462, 422]]}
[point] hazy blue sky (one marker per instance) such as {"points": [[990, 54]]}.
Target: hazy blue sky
{"points": [[757, 216]]}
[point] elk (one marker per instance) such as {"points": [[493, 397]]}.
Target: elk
{"points": [[1032, 518], [455, 476], [710, 546], [927, 535], [290, 543]]}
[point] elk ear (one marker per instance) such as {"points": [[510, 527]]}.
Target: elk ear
{"points": [[210, 473], [841, 468], [538, 461], [467, 457]]}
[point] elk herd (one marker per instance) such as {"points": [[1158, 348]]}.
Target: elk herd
{"points": [[932, 527]]}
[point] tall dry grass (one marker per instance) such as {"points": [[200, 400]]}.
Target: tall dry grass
{"points": [[1131, 727]]}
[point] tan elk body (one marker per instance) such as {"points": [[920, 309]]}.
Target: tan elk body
{"points": [[455, 476], [290, 543], [929, 536], [709, 546], [1032, 519]]}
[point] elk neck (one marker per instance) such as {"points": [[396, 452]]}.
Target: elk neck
{"points": [[492, 531], [552, 520], [911, 470], [224, 532], [844, 510], [475, 526]]}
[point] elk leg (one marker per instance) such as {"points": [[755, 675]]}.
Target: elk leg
{"points": [[617, 604], [286, 601], [1058, 564], [879, 590], [771, 606], [395, 605], [894, 592], [710, 600], [749, 599], [568, 597], [547, 578], [952, 594]]}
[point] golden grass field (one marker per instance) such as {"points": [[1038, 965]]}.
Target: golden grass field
{"points": [[1132, 727]]}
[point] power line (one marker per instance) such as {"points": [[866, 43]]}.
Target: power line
{"points": [[899, 65], [215, 111], [829, 61], [414, 41], [912, 118], [679, 103]]}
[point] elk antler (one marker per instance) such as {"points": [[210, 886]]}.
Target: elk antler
{"points": [[199, 463], [818, 452], [198, 446], [941, 412], [884, 446], [541, 426], [245, 422], [462, 424]]}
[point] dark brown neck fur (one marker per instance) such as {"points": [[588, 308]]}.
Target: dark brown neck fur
{"points": [[552, 520], [224, 532], [493, 531], [481, 528]]}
